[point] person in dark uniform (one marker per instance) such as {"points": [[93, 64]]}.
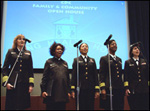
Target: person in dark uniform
{"points": [[136, 80], [116, 80], [55, 85], [21, 82], [88, 79]]}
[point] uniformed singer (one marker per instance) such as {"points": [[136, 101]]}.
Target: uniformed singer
{"points": [[88, 79], [116, 80], [21, 82], [55, 85], [137, 80]]}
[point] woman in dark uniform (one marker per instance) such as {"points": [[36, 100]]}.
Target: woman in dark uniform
{"points": [[55, 85], [116, 80], [88, 80], [136, 80], [20, 84]]}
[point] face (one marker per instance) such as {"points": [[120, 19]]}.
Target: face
{"points": [[84, 49], [58, 51], [135, 51], [113, 47], [20, 42]]}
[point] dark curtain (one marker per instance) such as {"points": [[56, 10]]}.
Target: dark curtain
{"points": [[138, 13]]}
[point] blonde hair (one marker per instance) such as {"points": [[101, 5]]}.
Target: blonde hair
{"points": [[14, 46]]}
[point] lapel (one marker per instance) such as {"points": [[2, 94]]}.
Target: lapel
{"points": [[16, 50], [82, 59], [111, 59], [140, 62], [133, 62], [88, 59], [117, 59]]}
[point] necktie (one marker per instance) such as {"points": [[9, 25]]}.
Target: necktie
{"points": [[114, 58], [85, 59], [137, 62]]}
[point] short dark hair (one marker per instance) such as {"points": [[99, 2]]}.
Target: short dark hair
{"points": [[109, 42], [131, 49], [81, 45], [53, 47]]}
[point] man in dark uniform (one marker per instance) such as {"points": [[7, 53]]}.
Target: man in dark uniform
{"points": [[88, 79], [116, 80], [136, 80], [55, 85], [21, 81]]}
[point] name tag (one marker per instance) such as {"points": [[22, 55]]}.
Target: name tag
{"points": [[80, 61], [65, 65], [26, 53], [52, 65], [131, 64], [111, 60], [13, 52], [144, 63], [91, 61]]}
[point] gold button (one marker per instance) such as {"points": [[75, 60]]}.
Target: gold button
{"points": [[20, 60], [86, 73], [117, 72], [86, 77], [20, 70], [138, 71], [86, 68], [139, 79], [20, 65], [139, 75], [86, 64], [116, 64], [117, 75], [117, 68], [138, 68]]}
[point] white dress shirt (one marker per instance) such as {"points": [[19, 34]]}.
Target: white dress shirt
{"points": [[136, 60], [84, 57], [113, 56]]}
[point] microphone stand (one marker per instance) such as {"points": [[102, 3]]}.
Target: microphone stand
{"points": [[78, 88], [14, 67], [111, 108]]}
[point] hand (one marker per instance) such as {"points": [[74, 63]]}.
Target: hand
{"points": [[103, 91], [103, 94], [73, 94], [30, 89], [127, 92], [69, 95], [9, 86], [44, 94], [96, 94]]}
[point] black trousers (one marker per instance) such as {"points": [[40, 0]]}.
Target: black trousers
{"points": [[18, 98], [117, 100], [139, 101], [56, 106], [86, 99]]}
